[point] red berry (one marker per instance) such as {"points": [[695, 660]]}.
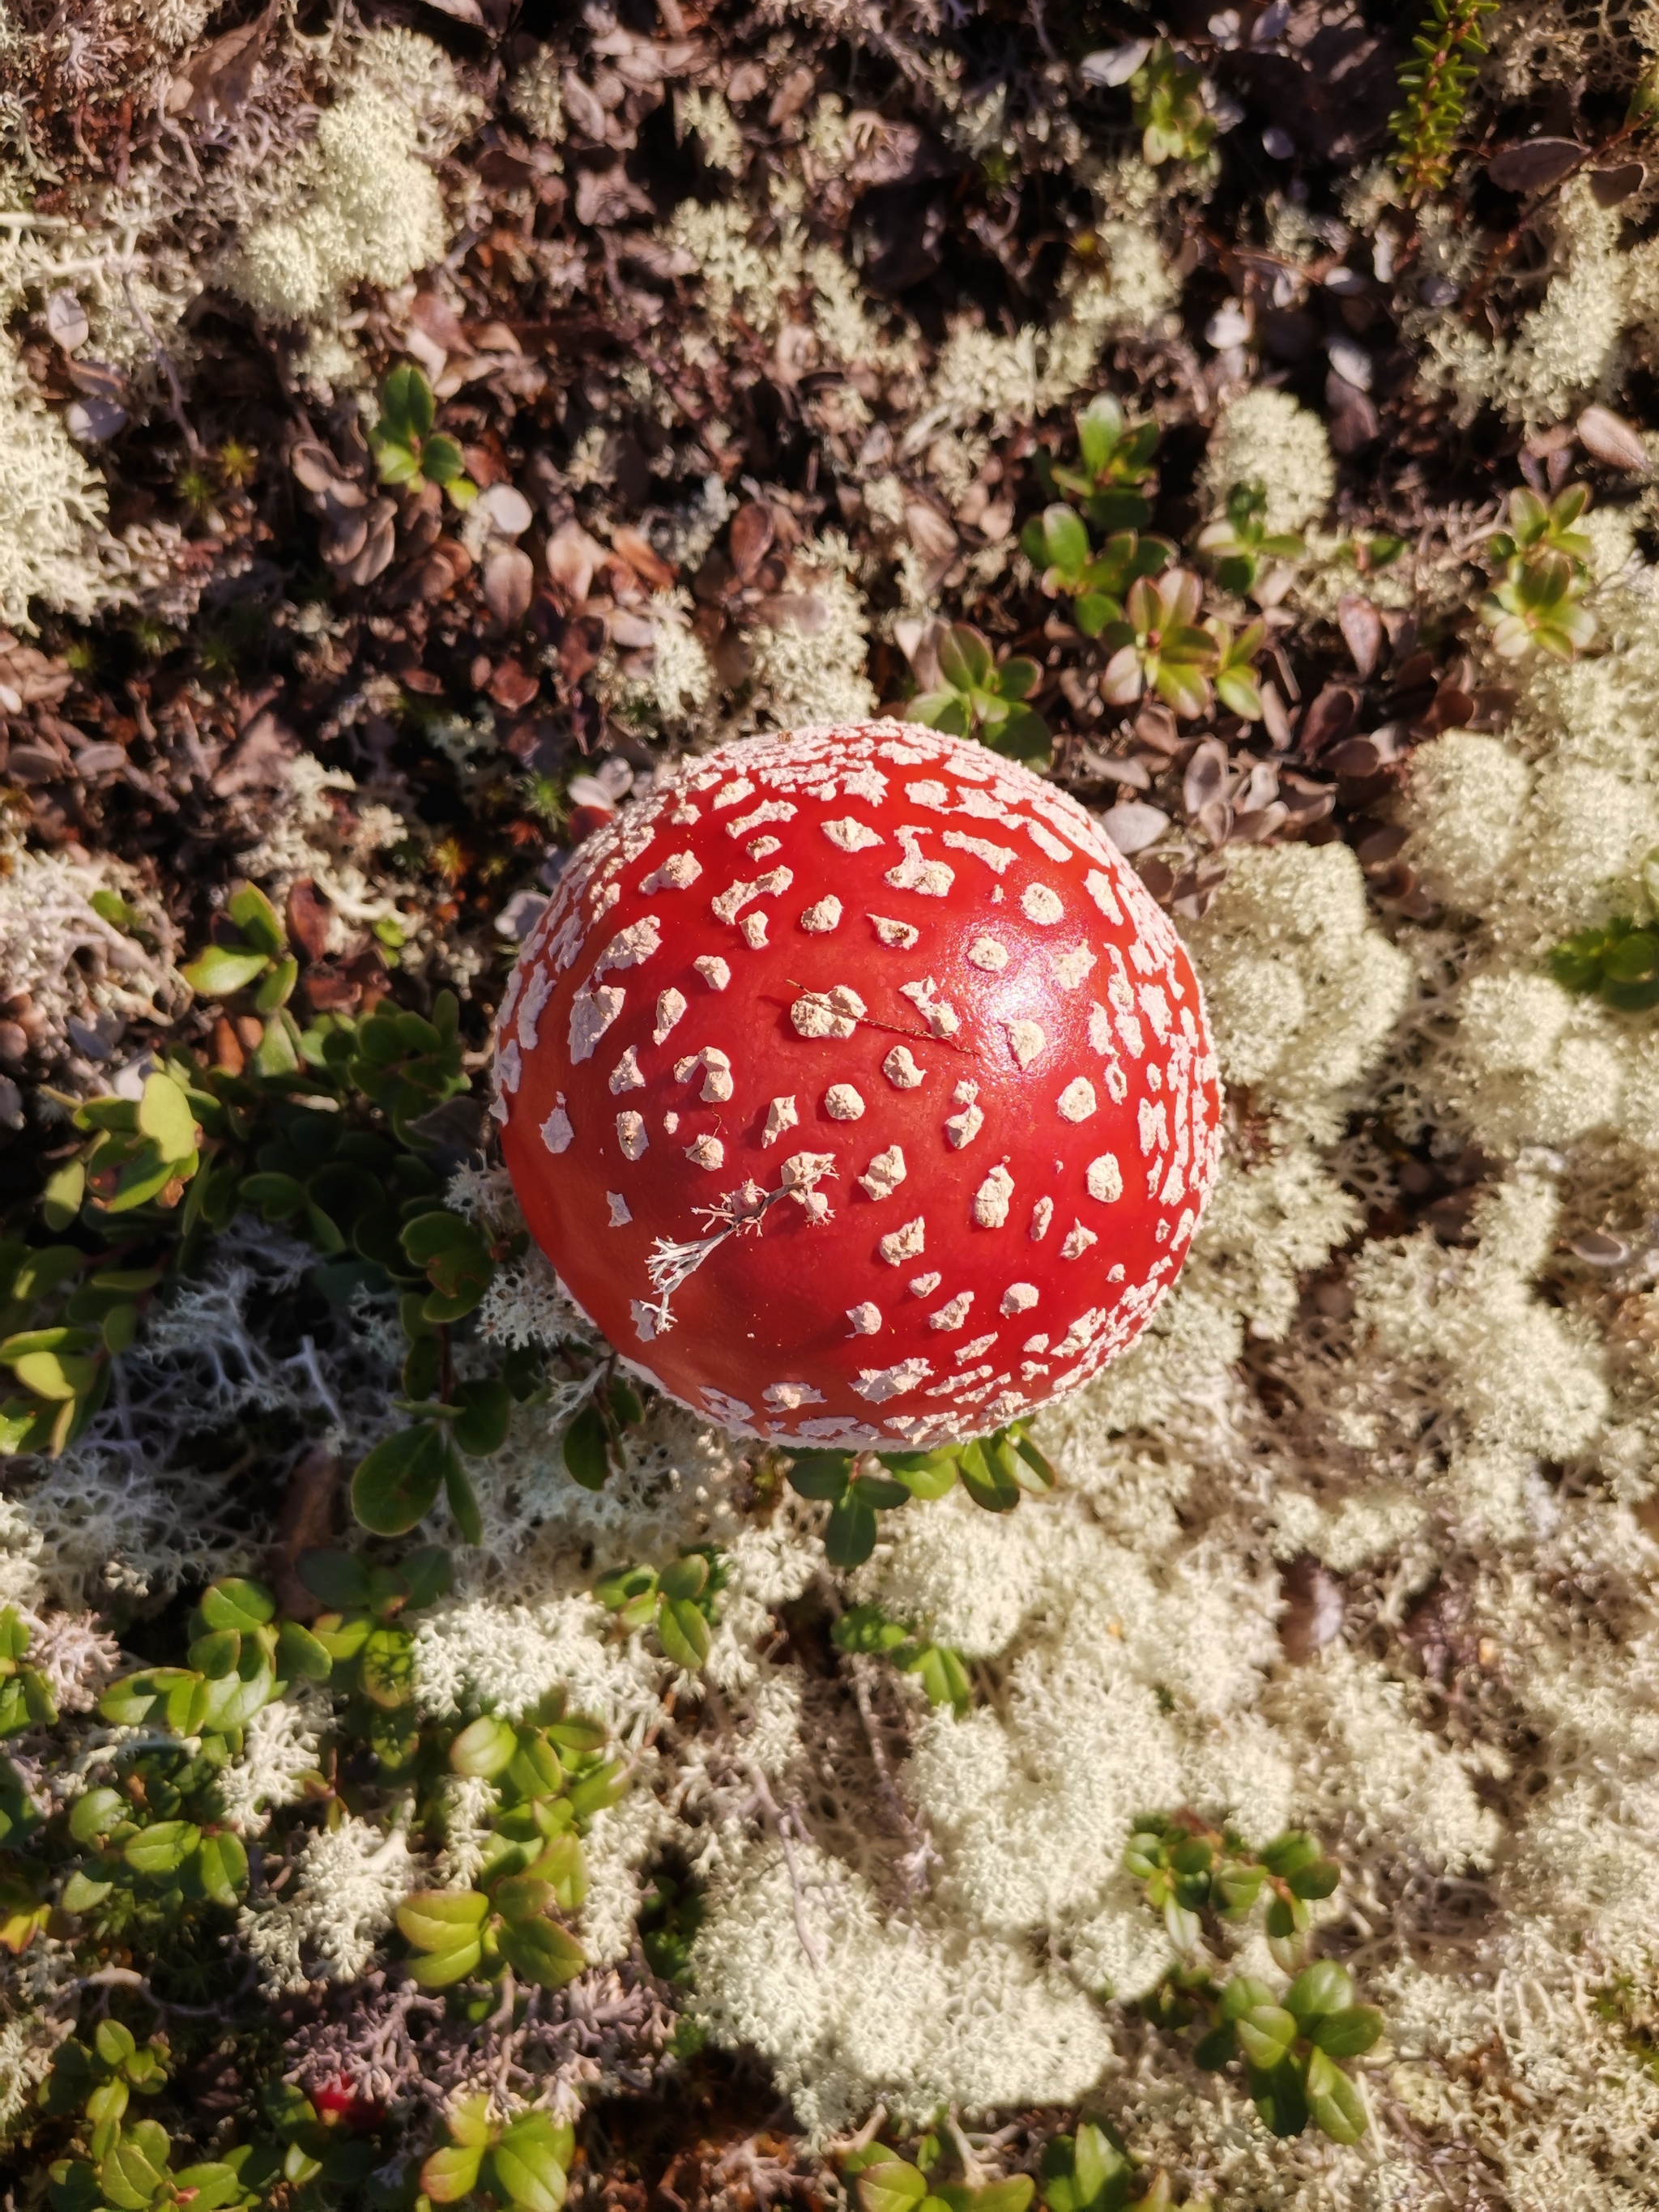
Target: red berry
{"points": [[338, 2102], [857, 1089]]}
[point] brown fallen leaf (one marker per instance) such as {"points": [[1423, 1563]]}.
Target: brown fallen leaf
{"points": [[305, 1524], [1611, 187], [309, 918], [753, 528], [605, 196], [258, 760], [1607, 438], [571, 557], [1534, 165], [509, 584], [512, 688], [1313, 1608], [217, 81], [1362, 631], [643, 558]]}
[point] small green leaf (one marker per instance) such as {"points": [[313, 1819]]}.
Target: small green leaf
{"points": [[60, 1200], [439, 1969], [258, 920], [821, 1474], [219, 972], [299, 1652], [543, 1953], [451, 2173], [850, 1535], [57, 1376], [683, 1632], [221, 1868], [486, 1747], [407, 405], [686, 1578], [586, 1450], [530, 2162], [1333, 2100], [1345, 2034], [114, 2043], [986, 1480], [481, 1426], [397, 1483], [462, 1500], [894, 2185], [470, 2121], [235, 1602], [1265, 2033], [162, 1848], [442, 1920], [1324, 1987], [341, 1581], [96, 1814]]}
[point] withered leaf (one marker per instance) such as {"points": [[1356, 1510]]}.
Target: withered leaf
{"points": [[309, 915], [258, 760], [217, 81], [1611, 187], [510, 687], [1607, 438], [607, 195], [509, 584], [753, 528], [1362, 631], [643, 558], [1536, 165], [1327, 718]]}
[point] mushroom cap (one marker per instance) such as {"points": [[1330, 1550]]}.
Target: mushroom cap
{"points": [[857, 1089]]}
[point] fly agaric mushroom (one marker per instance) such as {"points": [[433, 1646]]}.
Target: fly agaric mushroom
{"points": [[856, 1089]]}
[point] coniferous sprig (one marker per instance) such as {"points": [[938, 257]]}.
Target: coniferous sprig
{"points": [[1445, 57]]}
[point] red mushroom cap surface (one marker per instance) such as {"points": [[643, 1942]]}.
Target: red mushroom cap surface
{"points": [[857, 1089]]}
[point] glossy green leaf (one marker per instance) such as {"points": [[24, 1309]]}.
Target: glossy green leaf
{"points": [[235, 1602], [893, 2185], [986, 1480], [60, 1198], [683, 1632], [543, 1953], [219, 972], [335, 1578], [850, 1535], [258, 920], [821, 1474], [1345, 2034], [397, 1483], [462, 1500], [407, 406], [486, 1747], [530, 2162], [1324, 1987], [162, 1848], [686, 1578], [451, 2173], [299, 1652], [1333, 2101], [164, 1117], [96, 1813], [485, 1415], [442, 1920], [220, 1867], [586, 1450]]}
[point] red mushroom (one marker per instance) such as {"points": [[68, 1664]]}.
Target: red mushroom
{"points": [[857, 1089]]}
